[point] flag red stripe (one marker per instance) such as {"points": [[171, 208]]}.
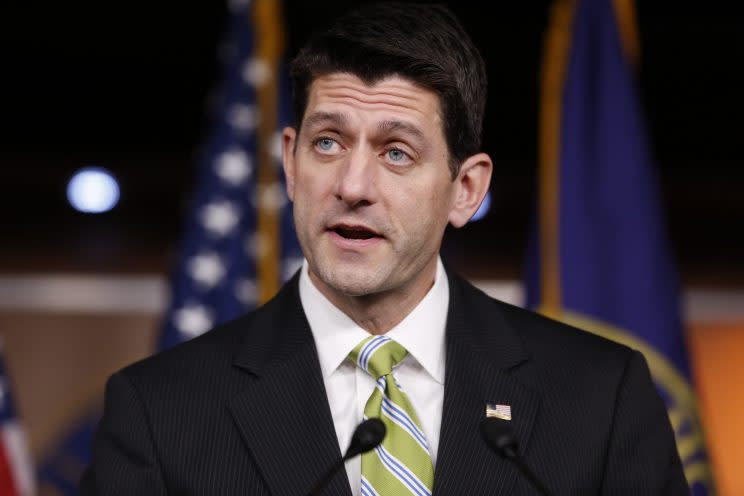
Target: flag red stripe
{"points": [[7, 486]]}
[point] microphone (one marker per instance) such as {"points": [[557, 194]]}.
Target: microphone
{"points": [[367, 436], [499, 437]]}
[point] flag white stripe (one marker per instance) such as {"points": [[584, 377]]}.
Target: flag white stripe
{"points": [[13, 441]]}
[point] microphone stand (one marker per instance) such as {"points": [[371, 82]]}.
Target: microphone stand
{"points": [[367, 436], [499, 437]]}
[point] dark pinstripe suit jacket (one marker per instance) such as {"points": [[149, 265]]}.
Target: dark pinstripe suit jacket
{"points": [[243, 410]]}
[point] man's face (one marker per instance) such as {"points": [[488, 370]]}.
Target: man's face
{"points": [[369, 178]]}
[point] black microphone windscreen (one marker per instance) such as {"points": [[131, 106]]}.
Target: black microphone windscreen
{"points": [[499, 435], [367, 436]]}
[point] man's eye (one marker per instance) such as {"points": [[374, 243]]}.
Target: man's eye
{"points": [[397, 156], [325, 144]]}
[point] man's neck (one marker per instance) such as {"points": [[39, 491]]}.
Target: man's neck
{"points": [[377, 313]]}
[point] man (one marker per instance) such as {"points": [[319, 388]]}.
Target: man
{"points": [[389, 104]]}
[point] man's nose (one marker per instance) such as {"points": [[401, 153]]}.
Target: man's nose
{"points": [[357, 179]]}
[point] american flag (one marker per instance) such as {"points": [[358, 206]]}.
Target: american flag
{"points": [[239, 242], [16, 472], [498, 411]]}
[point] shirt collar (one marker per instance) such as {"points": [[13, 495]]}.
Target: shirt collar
{"points": [[421, 332]]}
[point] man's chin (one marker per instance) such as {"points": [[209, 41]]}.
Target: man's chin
{"points": [[354, 286], [352, 281]]}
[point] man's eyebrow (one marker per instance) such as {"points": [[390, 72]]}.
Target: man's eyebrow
{"points": [[334, 118], [388, 126]]}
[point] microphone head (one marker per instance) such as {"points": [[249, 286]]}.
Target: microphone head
{"points": [[499, 436], [368, 435]]}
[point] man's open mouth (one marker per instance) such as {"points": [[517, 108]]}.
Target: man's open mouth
{"points": [[355, 232]]}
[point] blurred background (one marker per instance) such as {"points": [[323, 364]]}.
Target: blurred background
{"points": [[132, 87]]}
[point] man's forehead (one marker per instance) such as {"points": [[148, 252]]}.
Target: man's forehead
{"points": [[336, 97], [371, 83], [344, 84]]}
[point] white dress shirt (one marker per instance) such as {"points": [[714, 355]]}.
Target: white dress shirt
{"points": [[420, 374]]}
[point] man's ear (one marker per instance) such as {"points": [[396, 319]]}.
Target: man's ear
{"points": [[471, 186], [289, 137]]}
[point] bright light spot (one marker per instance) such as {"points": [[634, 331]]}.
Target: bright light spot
{"points": [[207, 269], [192, 320], [93, 190], [483, 209], [243, 117], [220, 217], [256, 72], [234, 166], [246, 291]]}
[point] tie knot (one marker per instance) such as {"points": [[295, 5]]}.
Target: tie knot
{"points": [[377, 355]]}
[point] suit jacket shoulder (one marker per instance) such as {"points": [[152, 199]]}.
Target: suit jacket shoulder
{"points": [[229, 412], [584, 409], [534, 329]]}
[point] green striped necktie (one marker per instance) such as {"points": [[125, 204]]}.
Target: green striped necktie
{"points": [[401, 465]]}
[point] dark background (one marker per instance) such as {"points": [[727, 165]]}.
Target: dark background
{"points": [[125, 86]]}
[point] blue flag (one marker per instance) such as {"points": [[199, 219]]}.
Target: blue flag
{"points": [[601, 260], [239, 242]]}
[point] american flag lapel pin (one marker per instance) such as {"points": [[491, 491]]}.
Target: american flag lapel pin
{"points": [[502, 412]]}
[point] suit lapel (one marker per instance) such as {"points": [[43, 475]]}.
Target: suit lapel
{"points": [[483, 353], [283, 414]]}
